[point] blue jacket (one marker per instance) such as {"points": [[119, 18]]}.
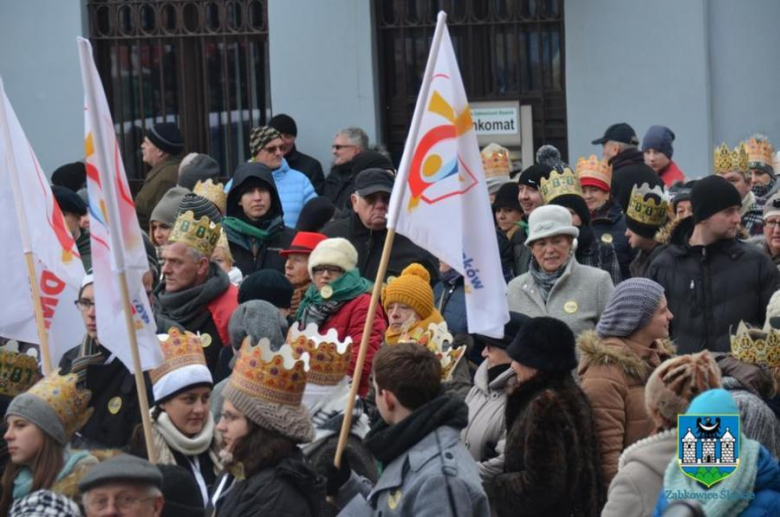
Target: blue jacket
{"points": [[294, 189], [450, 300]]}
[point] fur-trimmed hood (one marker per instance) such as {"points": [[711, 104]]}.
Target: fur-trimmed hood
{"points": [[633, 359]]}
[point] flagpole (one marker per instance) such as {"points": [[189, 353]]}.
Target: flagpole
{"points": [[403, 173], [40, 325], [113, 215]]}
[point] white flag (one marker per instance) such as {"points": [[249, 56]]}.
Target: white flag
{"points": [[440, 198], [31, 222], [117, 245]]}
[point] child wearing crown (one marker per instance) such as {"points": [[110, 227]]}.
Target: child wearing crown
{"points": [[40, 425], [183, 429]]}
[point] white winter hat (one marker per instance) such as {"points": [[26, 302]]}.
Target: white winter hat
{"points": [[549, 220], [334, 252]]}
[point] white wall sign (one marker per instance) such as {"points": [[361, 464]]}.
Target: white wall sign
{"points": [[497, 122]]}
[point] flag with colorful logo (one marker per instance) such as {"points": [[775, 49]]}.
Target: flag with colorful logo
{"points": [[117, 245], [440, 198], [31, 222]]}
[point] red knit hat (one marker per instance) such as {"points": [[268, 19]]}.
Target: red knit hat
{"points": [[304, 243]]}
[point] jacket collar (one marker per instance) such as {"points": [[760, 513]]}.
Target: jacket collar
{"points": [[680, 245], [634, 359], [498, 384]]}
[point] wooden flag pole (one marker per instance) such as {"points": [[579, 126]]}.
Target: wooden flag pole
{"points": [[143, 401], [40, 323]]}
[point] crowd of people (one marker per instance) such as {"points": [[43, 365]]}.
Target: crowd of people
{"points": [[636, 295]]}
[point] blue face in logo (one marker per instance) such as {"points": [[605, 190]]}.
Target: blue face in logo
{"points": [[708, 447]]}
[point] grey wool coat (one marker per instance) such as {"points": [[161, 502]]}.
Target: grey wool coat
{"points": [[485, 435], [415, 484], [634, 490], [578, 298]]}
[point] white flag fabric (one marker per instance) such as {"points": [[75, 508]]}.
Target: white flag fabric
{"points": [[31, 222], [440, 198], [117, 245]]}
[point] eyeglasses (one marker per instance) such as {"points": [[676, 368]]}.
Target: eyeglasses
{"points": [[273, 149], [84, 304], [332, 270], [339, 147], [122, 502], [772, 224]]}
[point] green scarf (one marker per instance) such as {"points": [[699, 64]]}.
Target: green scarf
{"points": [[237, 225], [347, 287]]}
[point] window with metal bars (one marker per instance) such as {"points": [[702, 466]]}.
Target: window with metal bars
{"points": [[506, 50], [202, 64]]}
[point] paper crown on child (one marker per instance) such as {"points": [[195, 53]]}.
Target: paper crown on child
{"points": [[329, 357]]}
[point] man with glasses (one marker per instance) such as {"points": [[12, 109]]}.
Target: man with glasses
{"points": [[347, 144], [770, 243], [297, 160], [293, 186], [123, 485], [366, 228]]}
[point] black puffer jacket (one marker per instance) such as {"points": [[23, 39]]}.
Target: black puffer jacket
{"points": [[712, 288], [629, 169], [251, 254], [609, 227], [369, 244]]}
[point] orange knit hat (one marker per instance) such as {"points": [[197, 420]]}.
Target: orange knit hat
{"points": [[412, 288]]}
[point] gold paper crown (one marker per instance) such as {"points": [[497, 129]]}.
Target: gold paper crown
{"points": [[559, 184], [61, 393], [755, 346], [648, 205], [273, 376], [328, 357], [760, 152], [201, 235], [594, 168], [214, 192], [18, 372], [495, 161], [731, 161], [438, 340], [179, 350]]}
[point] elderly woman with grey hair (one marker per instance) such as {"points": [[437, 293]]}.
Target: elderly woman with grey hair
{"points": [[556, 285]]}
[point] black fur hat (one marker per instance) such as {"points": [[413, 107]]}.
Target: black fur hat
{"points": [[546, 344]]}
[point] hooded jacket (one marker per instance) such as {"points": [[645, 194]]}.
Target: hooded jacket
{"points": [[613, 372], [710, 289], [250, 253]]}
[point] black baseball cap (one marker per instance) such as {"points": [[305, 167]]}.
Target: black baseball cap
{"points": [[620, 132], [371, 181]]}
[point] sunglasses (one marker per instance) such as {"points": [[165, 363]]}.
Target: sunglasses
{"points": [[274, 149]]}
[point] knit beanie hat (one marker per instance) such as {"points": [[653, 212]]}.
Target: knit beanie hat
{"points": [[713, 402], [506, 197], [259, 138], [197, 167], [576, 203], [511, 329], [550, 158], [546, 344], [72, 176], [284, 124], [69, 201], [412, 288], [168, 207], [630, 307], [269, 285], [315, 214], [712, 194], [532, 176], [672, 386], [333, 252], [180, 492], [166, 137], [199, 206], [257, 319], [659, 138]]}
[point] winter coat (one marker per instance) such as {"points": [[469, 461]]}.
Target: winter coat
{"points": [[629, 169], [348, 322], [672, 174], [289, 489], [613, 372], [599, 254], [340, 185], [161, 178], [485, 435], [609, 227], [294, 189], [426, 480], [307, 165], [711, 289], [551, 460], [634, 490], [450, 299], [369, 244], [520, 252], [642, 261], [578, 298], [251, 254]]}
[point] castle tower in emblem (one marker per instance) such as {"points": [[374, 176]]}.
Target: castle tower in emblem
{"points": [[689, 451], [727, 447]]}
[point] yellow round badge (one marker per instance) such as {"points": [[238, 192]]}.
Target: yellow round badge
{"points": [[326, 292], [607, 238], [205, 340], [570, 307], [114, 405]]}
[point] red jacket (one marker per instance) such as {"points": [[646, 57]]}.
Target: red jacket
{"points": [[349, 321], [671, 174], [221, 308]]}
